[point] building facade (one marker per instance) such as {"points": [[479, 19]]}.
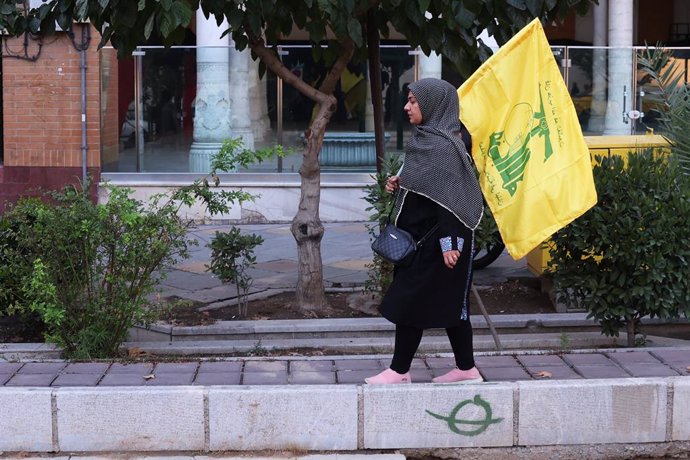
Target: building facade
{"points": [[69, 109]]}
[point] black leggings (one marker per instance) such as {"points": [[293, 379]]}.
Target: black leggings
{"points": [[407, 340]]}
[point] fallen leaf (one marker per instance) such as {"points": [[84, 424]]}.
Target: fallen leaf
{"points": [[149, 377], [544, 374], [135, 352]]}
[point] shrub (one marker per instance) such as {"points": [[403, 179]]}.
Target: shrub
{"points": [[628, 256], [88, 270], [232, 254]]}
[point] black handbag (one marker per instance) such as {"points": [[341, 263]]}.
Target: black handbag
{"points": [[396, 245]]}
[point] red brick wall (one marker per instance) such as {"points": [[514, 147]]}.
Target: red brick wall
{"points": [[42, 114]]}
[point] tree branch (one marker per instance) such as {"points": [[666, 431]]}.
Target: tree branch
{"points": [[258, 46], [333, 75]]}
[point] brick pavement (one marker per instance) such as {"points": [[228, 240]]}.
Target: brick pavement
{"points": [[344, 370]]}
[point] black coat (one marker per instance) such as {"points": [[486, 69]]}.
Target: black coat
{"points": [[426, 293]]}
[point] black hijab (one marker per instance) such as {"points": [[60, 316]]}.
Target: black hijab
{"points": [[437, 164]]}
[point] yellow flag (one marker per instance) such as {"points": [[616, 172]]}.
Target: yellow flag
{"points": [[535, 168]]}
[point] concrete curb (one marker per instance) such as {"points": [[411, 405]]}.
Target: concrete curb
{"points": [[344, 417]]}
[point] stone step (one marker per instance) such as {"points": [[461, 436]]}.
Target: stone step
{"points": [[364, 328], [373, 345]]}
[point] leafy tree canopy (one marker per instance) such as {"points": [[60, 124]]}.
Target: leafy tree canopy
{"points": [[447, 26]]}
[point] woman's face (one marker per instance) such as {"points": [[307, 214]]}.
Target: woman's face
{"points": [[414, 113]]}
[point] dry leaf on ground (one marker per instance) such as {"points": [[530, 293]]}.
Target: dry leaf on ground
{"points": [[136, 352], [544, 374]]}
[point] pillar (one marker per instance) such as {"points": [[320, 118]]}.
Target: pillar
{"points": [[212, 121], [240, 120], [599, 65], [620, 61], [430, 66]]}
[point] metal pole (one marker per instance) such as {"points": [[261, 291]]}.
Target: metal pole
{"points": [[487, 318], [138, 109]]}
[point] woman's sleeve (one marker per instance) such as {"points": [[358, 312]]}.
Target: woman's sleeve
{"points": [[449, 230]]}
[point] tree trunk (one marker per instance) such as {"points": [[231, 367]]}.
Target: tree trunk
{"points": [[631, 327], [373, 47], [306, 225]]}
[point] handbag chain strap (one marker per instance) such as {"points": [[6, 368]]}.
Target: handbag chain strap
{"points": [[426, 235]]}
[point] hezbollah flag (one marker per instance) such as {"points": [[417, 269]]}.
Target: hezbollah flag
{"points": [[534, 166]]}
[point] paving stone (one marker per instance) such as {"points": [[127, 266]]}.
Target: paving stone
{"points": [[633, 357], [9, 368], [311, 378], [562, 372], [134, 368], [31, 380], [25, 420], [4, 378], [681, 409], [265, 366], [130, 419], [432, 416], [218, 378], [170, 378], [441, 363], [418, 363], [86, 368], [495, 361], [360, 364], [649, 370], [681, 357], [586, 359], [601, 372], [436, 372], [265, 378], [355, 376], [41, 368], [298, 418], [221, 366], [540, 360], [311, 366], [175, 368], [592, 412], [122, 379], [76, 380], [421, 375], [498, 374]]}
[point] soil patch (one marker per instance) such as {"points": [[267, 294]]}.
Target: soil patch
{"points": [[520, 296]]}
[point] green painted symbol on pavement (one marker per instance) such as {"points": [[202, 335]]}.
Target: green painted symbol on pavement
{"points": [[481, 424]]}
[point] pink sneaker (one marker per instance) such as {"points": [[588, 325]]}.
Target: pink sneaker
{"points": [[388, 376], [458, 376]]}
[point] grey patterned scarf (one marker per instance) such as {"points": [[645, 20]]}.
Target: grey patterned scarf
{"points": [[437, 164]]}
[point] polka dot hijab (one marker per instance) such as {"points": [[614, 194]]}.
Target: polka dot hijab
{"points": [[437, 164]]}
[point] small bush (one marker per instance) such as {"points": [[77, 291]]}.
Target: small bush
{"points": [[88, 270], [628, 256]]}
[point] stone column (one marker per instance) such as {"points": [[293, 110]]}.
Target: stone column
{"points": [[430, 66], [620, 66], [240, 120], [212, 104], [258, 103], [600, 40]]}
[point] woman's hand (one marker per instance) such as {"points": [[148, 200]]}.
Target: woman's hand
{"points": [[450, 258], [392, 184]]}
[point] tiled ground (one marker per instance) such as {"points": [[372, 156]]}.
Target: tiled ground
{"points": [[346, 370]]}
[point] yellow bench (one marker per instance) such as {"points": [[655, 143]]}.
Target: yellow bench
{"points": [[600, 146]]}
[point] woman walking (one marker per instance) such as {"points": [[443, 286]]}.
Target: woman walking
{"points": [[437, 185]]}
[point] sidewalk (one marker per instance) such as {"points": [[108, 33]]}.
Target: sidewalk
{"points": [[297, 403]]}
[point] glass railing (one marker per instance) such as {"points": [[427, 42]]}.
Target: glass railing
{"points": [[164, 110], [175, 105]]}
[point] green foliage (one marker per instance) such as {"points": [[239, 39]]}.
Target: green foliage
{"points": [[628, 256], [380, 271], [89, 269], [671, 96], [447, 26], [232, 254], [231, 156]]}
